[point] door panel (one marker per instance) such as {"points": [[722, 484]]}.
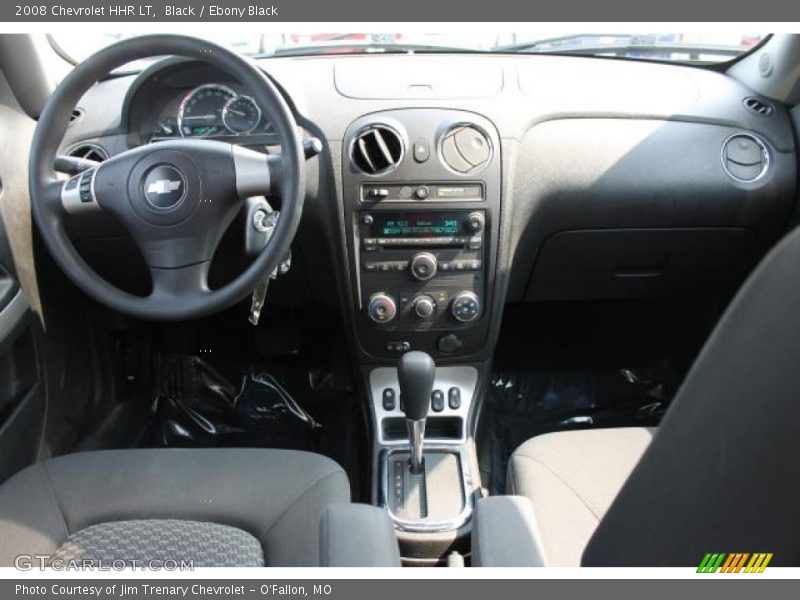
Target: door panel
{"points": [[22, 398]]}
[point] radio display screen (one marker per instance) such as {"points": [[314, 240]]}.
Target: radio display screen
{"points": [[415, 224]]}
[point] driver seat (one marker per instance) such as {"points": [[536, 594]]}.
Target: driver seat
{"points": [[215, 507], [721, 473]]}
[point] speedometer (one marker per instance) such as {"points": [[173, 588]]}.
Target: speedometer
{"points": [[200, 113], [241, 115]]}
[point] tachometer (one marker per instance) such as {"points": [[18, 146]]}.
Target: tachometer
{"points": [[200, 113], [241, 114]]}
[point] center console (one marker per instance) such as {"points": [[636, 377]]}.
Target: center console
{"points": [[422, 200], [421, 192]]}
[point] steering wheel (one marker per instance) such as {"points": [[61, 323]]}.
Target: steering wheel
{"points": [[176, 198]]}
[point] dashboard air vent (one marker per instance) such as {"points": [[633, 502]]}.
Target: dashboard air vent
{"points": [[377, 149], [745, 158], [758, 106], [465, 149], [89, 152]]}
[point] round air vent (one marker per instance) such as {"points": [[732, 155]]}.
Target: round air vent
{"points": [[465, 149], [377, 149], [745, 158], [89, 152]]}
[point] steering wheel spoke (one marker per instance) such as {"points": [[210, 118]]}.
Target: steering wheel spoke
{"points": [[257, 174], [178, 284]]}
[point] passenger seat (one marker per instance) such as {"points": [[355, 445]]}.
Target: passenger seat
{"points": [[572, 478], [720, 475]]}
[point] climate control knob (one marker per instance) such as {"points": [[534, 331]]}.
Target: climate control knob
{"points": [[381, 307], [423, 307], [465, 307], [423, 266]]}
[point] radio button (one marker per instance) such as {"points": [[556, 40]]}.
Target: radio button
{"points": [[475, 221], [475, 242], [422, 192], [423, 266]]}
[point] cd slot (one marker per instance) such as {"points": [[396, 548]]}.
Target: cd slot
{"points": [[427, 242]]}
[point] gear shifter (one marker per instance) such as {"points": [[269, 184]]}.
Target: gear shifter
{"points": [[416, 372]]}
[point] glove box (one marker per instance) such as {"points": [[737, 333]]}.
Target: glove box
{"points": [[633, 263]]}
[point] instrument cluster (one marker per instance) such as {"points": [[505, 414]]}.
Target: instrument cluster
{"points": [[213, 110]]}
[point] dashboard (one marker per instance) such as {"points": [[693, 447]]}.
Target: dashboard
{"points": [[450, 186]]}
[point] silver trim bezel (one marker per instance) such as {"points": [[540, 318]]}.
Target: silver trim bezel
{"points": [[255, 105], [764, 151], [187, 97], [363, 130], [465, 378], [94, 146], [468, 494], [476, 170]]}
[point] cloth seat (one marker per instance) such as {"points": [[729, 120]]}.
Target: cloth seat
{"points": [[571, 478], [721, 475], [217, 507]]}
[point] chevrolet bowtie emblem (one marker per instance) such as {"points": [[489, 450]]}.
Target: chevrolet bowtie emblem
{"points": [[163, 186]]}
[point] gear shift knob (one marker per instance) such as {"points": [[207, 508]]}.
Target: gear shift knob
{"points": [[416, 372]]}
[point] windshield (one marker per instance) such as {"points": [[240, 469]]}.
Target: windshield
{"points": [[705, 48]]}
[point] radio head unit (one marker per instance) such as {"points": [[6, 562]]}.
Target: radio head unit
{"points": [[418, 228], [422, 269]]}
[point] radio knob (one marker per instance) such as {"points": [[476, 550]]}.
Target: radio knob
{"points": [[424, 307], [465, 307], [423, 266], [381, 308], [476, 221]]}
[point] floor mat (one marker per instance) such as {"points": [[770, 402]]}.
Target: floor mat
{"points": [[198, 404], [524, 404]]}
